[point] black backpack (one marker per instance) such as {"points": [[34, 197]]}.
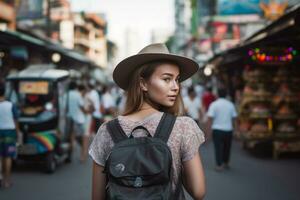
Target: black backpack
{"points": [[140, 168]]}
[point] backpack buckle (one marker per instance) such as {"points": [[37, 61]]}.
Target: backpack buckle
{"points": [[138, 182]]}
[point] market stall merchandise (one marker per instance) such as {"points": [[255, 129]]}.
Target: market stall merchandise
{"points": [[269, 108]]}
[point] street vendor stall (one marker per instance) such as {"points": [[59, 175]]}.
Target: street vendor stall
{"points": [[263, 77], [269, 108]]}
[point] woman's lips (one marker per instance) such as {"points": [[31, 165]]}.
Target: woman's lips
{"points": [[172, 97]]}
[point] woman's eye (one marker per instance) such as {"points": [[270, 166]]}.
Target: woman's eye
{"points": [[167, 79]]}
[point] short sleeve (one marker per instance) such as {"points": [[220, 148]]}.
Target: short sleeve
{"points": [[101, 146], [210, 112], [192, 138]]}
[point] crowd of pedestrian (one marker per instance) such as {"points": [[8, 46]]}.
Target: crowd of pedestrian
{"points": [[89, 106], [216, 115], [91, 103]]}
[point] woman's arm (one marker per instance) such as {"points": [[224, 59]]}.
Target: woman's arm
{"points": [[99, 182], [194, 179]]}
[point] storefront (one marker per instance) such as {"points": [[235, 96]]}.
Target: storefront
{"points": [[263, 77], [18, 50]]}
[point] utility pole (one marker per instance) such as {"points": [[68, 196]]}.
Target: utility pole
{"points": [[180, 29]]}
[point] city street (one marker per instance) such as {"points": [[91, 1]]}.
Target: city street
{"points": [[68, 65], [249, 178]]}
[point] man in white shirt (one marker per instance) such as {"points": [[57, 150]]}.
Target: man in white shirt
{"points": [[76, 106], [221, 120]]}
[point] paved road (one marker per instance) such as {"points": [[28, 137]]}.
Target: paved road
{"points": [[69, 182], [252, 177], [249, 178]]}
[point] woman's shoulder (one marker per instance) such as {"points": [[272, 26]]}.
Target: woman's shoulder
{"points": [[184, 120], [191, 134], [187, 125], [103, 129]]}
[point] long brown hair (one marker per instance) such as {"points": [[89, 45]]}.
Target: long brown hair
{"points": [[135, 97]]}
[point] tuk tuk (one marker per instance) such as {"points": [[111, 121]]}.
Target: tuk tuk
{"points": [[40, 93]]}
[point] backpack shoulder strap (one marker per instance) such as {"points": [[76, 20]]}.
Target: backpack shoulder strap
{"points": [[165, 127], [115, 130]]}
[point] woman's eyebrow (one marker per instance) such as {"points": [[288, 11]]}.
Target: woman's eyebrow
{"points": [[169, 74]]}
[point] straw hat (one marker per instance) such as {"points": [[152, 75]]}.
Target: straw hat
{"points": [[152, 52]]}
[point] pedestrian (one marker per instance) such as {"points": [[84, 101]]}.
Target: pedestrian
{"points": [[89, 109], [221, 121], [9, 135], [109, 103], [192, 105], [207, 98], [76, 116], [151, 80], [96, 115], [199, 89]]}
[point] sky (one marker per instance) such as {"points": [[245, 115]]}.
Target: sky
{"points": [[140, 17]]}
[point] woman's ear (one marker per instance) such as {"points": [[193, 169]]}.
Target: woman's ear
{"points": [[143, 85]]}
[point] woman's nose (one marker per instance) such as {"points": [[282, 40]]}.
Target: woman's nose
{"points": [[175, 85]]}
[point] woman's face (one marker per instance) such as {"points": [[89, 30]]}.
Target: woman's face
{"points": [[163, 85]]}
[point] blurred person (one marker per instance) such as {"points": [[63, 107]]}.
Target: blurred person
{"points": [[109, 103], [120, 100], [115, 93], [76, 115], [151, 80], [121, 106], [199, 89], [192, 105], [94, 96], [9, 135], [89, 109], [184, 91], [207, 98], [221, 122]]}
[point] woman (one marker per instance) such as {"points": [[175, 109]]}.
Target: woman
{"points": [[151, 81]]}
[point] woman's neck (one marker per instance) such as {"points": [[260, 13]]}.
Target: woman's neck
{"points": [[146, 110]]}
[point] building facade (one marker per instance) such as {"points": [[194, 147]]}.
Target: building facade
{"points": [[7, 15], [89, 37]]}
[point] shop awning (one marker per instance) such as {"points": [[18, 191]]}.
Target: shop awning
{"points": [[8, 38], [284, 31]]}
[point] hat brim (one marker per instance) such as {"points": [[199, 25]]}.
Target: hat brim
{"points": [[126, 67]]}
